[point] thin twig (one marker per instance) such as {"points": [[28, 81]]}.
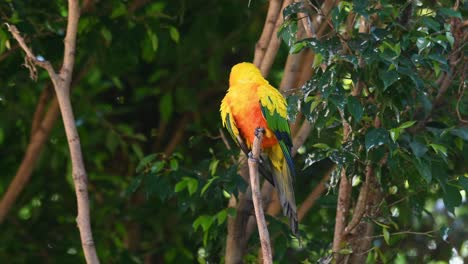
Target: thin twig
{"points": [[257, 197], [30, 59]]}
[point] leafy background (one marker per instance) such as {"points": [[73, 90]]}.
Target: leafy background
{"points": [[150, 77]]}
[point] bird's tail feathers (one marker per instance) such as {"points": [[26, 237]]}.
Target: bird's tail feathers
{"points": [[284, 185]]}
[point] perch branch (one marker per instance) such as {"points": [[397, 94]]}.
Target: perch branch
{"points": [[257, 197]]}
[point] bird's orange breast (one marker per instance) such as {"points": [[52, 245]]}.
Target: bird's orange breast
{"points": [[247, 114]]}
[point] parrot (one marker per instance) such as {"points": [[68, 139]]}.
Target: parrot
{"points": [[251, 103]]}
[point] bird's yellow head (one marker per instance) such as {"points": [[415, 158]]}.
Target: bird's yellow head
{"points": [[245, 72]]}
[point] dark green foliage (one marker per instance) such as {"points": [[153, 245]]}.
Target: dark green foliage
{"points": [[150, 75], [388, 117]]}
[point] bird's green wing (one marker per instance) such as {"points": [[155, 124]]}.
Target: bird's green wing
{"points": [[274, 109]]}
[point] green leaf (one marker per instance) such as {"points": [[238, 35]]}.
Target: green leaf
{"points": [[439, 149], [134, 184], [463, 182], [221, 216], [388, 77], [430, 23], [204, 221], [355, 108], [154, 40], [288, 31], [360, 7], [174, 33], [418, 148], [321, 146], [386, 235], [213, 166], [395, 133], [226, 194], [450, 38], [119, 10], [180, 186], [166, 107], [137, 150], [157, 166], [191, 184], [461, 132], [450, 12], [407, 124], [297, 47], [174, 164], [294, 8], [424, 169], [376, 137], [452, 198], [423, 43], [345, 251], [207, 185], [144, 162], [106, 34], [2, 136]]}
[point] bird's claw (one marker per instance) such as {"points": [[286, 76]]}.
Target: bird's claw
{"points": [[251, 157], [259, 130]]}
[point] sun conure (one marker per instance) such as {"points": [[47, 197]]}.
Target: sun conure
{"points": [[251, 102]]}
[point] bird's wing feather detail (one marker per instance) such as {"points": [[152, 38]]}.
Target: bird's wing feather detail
{"points": [[274, 111]]}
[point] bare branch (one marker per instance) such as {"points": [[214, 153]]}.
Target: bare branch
{"points": [[361, 203], [315, 194], [62, 88], [66, 71], [273, 46], [178, 135], [24, 171], [268, 30], [30, 59], [257, 197], [40, 108], [342, 209]]}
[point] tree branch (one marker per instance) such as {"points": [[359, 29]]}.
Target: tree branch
{"points": [[274, 9], [361, 203], [30, 59], [40, 131], [62, 83], [26, 167], [315, 194], [257, 197], [40, 108], [342, 209], [274, 44]]}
